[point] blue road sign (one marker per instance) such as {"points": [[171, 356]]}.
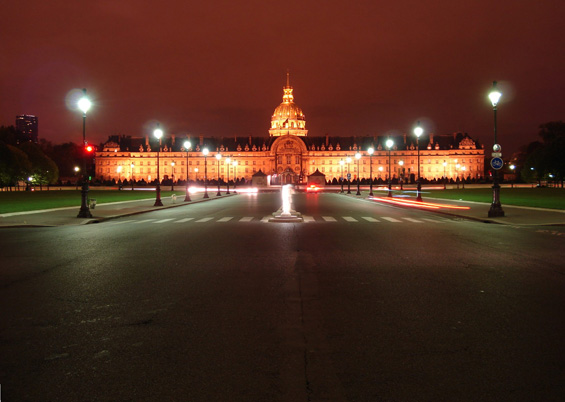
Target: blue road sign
{"points": [[348, 176], [496, 163]]}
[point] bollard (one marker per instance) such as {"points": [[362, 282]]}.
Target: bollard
{"points": [[174, 198], [92, 203]]}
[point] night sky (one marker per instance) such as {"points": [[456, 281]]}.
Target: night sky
{"points": [[217, 68]]}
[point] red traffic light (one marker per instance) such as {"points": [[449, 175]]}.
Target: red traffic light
{"points": [[89, 148]]}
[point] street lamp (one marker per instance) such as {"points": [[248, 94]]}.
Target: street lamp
{"points": [[400, 174], [444, 176], [457, 179], [358, 157], [464, 168], [187, 147], [172, 175], [234, 163], [389, 143], [205, 153], [77, 169], [84, 212], [218, 157], [495, 208], [370, 151], [418, 132], [512, 167], [131, 174], [348, 160], [158, 133], [228, 161], [341, 163]]}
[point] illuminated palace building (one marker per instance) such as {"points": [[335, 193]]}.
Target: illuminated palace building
{"points": [[288, 155]]}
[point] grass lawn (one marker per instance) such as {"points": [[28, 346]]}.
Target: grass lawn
{"points": [[16, 201], [532, 197]]}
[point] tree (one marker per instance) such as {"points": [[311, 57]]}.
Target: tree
{"points": [[545, 159], [14, 165], [43, 169]]}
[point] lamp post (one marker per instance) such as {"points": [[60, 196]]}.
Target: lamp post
{"points": [[172, 175], [512, 167], [358, 157], [457, 179], [84, 212], [234, 163], [463, 169], [348, 160], [495, 208], [370, 151], [158, 133], [228, 161], [218, 157], [77, 169], [186, 145], [418, 132], [131, 175], [341, 163], [400, 174], [389, 143], [205, 153], [444, 176]]}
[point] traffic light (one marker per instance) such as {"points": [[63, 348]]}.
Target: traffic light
{"points": [[88, 149]]}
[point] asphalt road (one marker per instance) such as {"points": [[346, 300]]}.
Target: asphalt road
{"points": [[209, 302]]}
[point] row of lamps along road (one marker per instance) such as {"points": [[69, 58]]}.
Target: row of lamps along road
{"points": [[496, 210]]}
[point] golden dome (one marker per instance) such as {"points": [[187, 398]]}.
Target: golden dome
{"points": [[288, 118]]}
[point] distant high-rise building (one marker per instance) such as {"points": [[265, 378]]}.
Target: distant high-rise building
{"points": [[26, 127]]}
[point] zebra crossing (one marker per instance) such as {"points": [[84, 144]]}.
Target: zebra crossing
{"points": [[306, 218]]}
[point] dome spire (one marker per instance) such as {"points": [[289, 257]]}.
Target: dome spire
{"points": [[287, 91]]}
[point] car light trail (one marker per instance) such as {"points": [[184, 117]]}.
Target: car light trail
{"points": [[417, 204]]}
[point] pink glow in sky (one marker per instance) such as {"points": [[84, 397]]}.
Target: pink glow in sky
{"points": [[217, 68]]}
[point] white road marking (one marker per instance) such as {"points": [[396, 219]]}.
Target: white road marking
{"points": [[308, 218], [266, 218], [204, 220], [144, 220], [350, 219], [386, 218], [225, 219], [412, 220], [164, 220], [368, 218], [435, 220], [329, 218], [184, 220], [246, 219], [121, 222]]}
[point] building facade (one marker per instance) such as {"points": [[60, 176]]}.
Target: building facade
{"points": [[27, 128], [288, 155]]}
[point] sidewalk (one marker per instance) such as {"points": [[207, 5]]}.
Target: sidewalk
{"points": [[68, 215]]}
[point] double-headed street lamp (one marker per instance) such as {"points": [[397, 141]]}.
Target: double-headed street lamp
{"points": [[234, 163], [358, 157], [186, 148], [228, 160], [341, 163], [205, 153], [495, 208], [370, 151], [218, 157], [348, 160], [418, 132], [389, 143], [84, 212], [158, 133], [444, 176]]}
